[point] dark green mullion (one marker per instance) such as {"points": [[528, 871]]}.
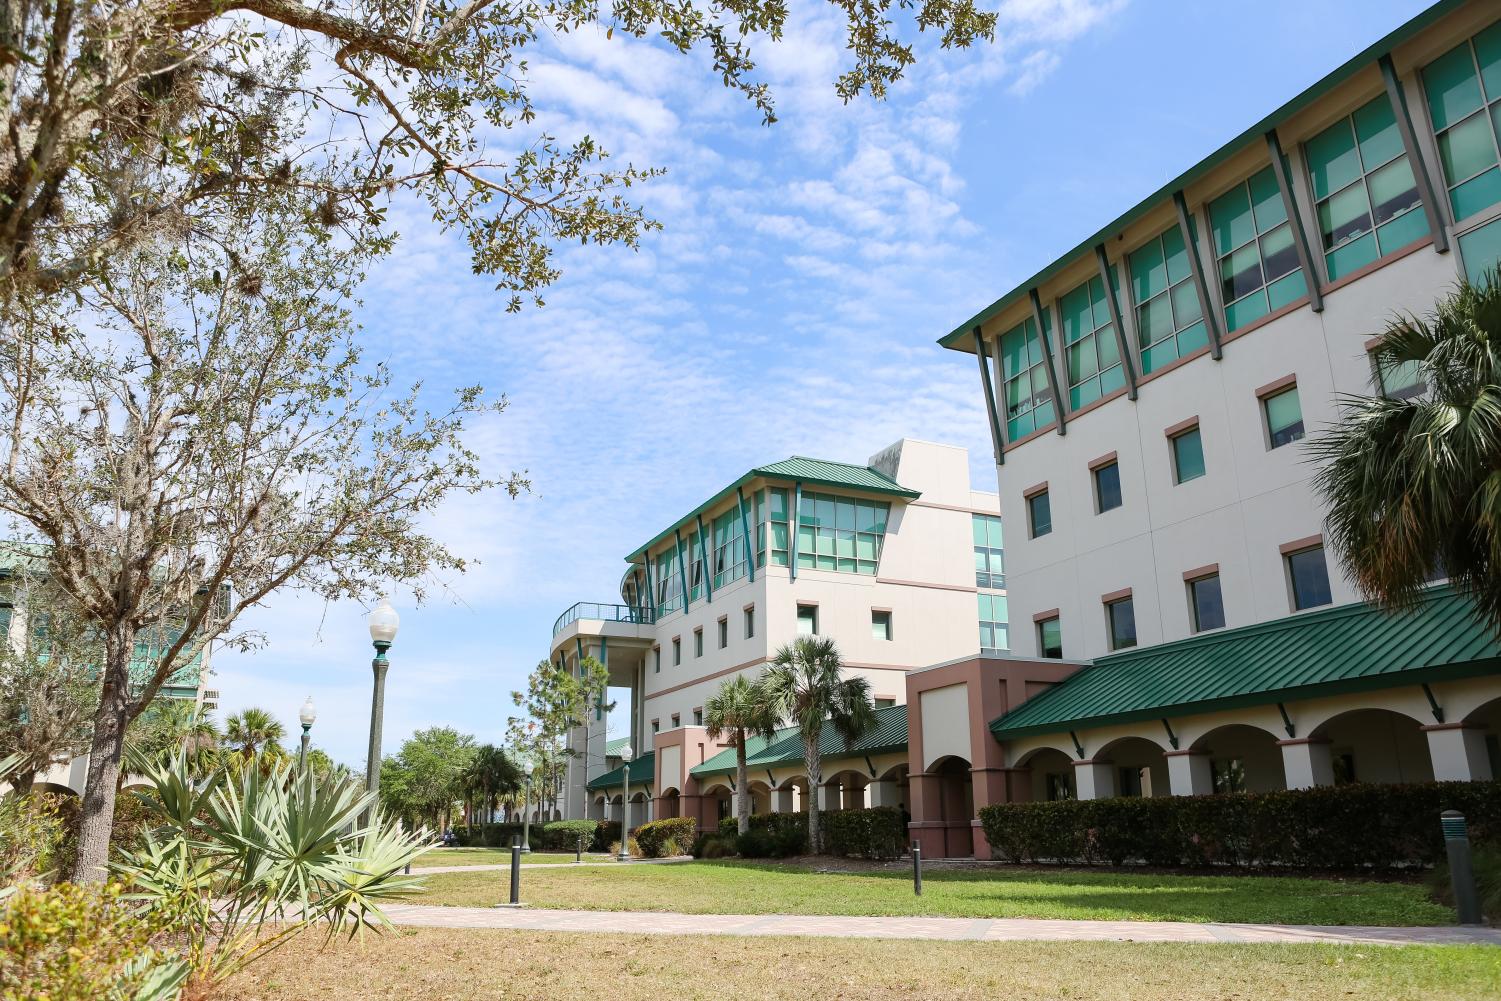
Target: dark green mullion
{"points": [[1432, 207], [604, 658], [1295, 220], [703, 554], [797, 516], [677, 535], [747, 546], [651, 592], [1115, 319], [1201, 284], [986, 386], [1045, 336]]}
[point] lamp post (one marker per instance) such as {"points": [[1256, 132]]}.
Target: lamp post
{"points": [[625, 803], [526, 814], [383, 623], [307, 715]]}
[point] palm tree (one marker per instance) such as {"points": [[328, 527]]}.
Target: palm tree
{"points": [[255, 735], [1413, 487], [173, 726], [740, 710], [805, 685]]}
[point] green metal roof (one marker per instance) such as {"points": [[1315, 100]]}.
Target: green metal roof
{"points": [[612, 747], [818, 472], [1350, 648], [888, 734], [961, 338], [643, 770]]}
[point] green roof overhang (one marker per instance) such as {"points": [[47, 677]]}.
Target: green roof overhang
{"points": [[887, 734], [1352, 648], [961, 337], [643, 770]]}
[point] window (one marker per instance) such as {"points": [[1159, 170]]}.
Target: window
{"points": [[1050, 638], [1284, 418], [1039, 514], [1397, 380], [698, 642], [1253, 245], [1024, 380], [1091, 352], [1308, 577], [1363, 189], [695, 557], [1120, 616], [1343, 762], [993, 628], [885, 703], [989, 551], [656, 726], [778, 510], [1060, 786], [1130, 781], [677, 650], [1188, 455], [1169, 317], [669, 581], [1206, 607], [880, 624], [1481, 250], [807, 620], [656, 660], [1107, 487], [698, 717], [1463, 87], [840, 533], [1227, 774], [724, 633], [750, 621], [677, 720], [727, 558]]}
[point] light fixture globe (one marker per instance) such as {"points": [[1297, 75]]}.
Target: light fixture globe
{"points": [[383, 622], [308, 714], [626, 752]]}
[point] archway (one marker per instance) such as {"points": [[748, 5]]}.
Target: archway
{"points": [[640, 808], [668, 804], [956, 805], [1051, 774], [1376, 745], [1140, 767], [1242, 758], [892, 788], [597, 808], [792, 795], [718, 803], [1487, 719], [760, 797], [845, 790]]}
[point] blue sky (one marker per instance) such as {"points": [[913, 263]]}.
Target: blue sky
{"points": [[789, 306]]}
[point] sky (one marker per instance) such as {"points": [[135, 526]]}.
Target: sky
{"points": [[789, 305]]}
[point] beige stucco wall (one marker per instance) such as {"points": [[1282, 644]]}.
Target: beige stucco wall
{"points": [[945, 724]]}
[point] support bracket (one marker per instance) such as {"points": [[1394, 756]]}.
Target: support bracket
{"points": [[870, 766], [1172, 738], [1287, 723], [1078, 747], [1438, 710], [1044, 337]]}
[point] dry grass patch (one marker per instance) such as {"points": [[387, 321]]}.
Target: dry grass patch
{"points": [[484, 965]]}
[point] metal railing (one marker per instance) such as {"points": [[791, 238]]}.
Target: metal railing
{"points": [[608, 613]]}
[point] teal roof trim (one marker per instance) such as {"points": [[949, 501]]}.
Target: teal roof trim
{"points": [[819, 472], [612, 747], [1351, 648], [643, 771], [889, 733], [959, 339]]}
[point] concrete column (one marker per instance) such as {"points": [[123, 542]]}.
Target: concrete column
{"points": [[1188, 773], [1094, 778], [1458, 753], [1306, 762], [830, 797], [885, 793]]}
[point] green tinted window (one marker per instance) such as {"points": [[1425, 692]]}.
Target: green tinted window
{"points": [[1040, 514], [1024, 382], [1398, 380], [1481, 250], [1050, 638], [1463, 88], [1257, 262], [842, 534], [989, 551], [1284, 417], [668, 581], [1091, 352], [1365, 195], [1169, 318], [1188, 455], [993, 630]]}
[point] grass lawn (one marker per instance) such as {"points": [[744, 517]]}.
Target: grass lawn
{"points": [[488, 965], [747, 888], [496, 856]]}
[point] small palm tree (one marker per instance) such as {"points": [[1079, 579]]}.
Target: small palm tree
{"points": [[805, 685], [740, 710], [171, 727], [1413, 486], [255, 735]]}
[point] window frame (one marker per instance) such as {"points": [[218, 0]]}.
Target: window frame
{"points": [[1176, 435], [656, 659], [1036, 401], [1099, 329], [1111, 602], [1040, 625], [1181, 336], [812, 609], [723, 631], [1276, 391], [748, 614], [1096, 469], [1490, 108], [677, 651], [698, 642], [1259, 236], [876, 616], [1031, 498], [1294, 550], [1191, 580]]}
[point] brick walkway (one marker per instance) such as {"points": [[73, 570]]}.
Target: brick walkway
{"points": [[952, 929]]}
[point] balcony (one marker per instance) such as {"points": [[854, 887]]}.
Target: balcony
{"points": [[605, 613]]}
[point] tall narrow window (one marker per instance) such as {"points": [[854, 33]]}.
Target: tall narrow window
{"points": [[993, 627], [1107, 487], [1308, 578], [656, 726], [698, 642], [1284, 417], [677, 720], [1364, 192], [1169, 319], [989, 552], [778, 508], [1039, 514], [1120, 616], [698, 717], [1092, 353], [1188, 455], [1253, 243], [1050, 638], [880, 623], [724, 633], [656, 660], [1463, 87], [1205, 604], [750, 621], [1024, 381], [677, 651], [807, 620]]}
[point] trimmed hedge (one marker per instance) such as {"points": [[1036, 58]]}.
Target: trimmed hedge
{"points": [[1346, 827], [654, 837], [550, 836], [879, 832]]}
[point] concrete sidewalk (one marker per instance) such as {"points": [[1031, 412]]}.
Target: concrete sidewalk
{"points": [[948, 929]]}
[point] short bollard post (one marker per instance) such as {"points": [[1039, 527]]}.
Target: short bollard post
{"points": [[515, 873], [917, 868], [1461, 869], [578, 849]]}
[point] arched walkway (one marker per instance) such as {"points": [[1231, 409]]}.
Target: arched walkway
{"points": [[668, 804], [845, 790], [1376, 745], [1140, 767], [1242, 758], [892, 789], [1052, 774], [1486, 721], [956, 805], [760, 797]]}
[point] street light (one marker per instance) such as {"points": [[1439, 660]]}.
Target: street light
{"points": [[625, 803], [383, 623], [307, 716], [526, 813]]}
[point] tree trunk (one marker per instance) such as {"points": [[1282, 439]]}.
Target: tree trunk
{"points": [[96, 818], [742, 787], [815, 785]]}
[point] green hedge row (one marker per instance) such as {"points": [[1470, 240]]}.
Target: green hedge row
{"points": [[663, 838], [879, 832], [1346, 827], [554, 836]]}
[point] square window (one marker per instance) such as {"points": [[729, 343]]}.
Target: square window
{"points": [[698, 717], [1039, 514], [698, 642], [1188, 455], [1308, 576], [1205, 605], [807, 620], [1284, 417], [1107, 487], [1050, 638], [1121, 619], [724, 633], [677, 651], [880, 624], [750, 622]]}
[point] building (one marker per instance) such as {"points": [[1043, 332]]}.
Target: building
{"points": [[1148, 394], [898, 560]]}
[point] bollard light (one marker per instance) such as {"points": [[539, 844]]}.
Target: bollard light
{"points": [[917, 868], [1461, 866]]}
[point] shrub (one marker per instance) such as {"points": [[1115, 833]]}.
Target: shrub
{"points": [[632, 847], [1487, 867], [655, 835], [755, 843], [712, 846], [1347, 827], [31, 838], [564, 835], [879, 832], [606, 832]]}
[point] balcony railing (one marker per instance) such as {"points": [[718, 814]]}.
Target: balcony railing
{"points": [[609, 613]]}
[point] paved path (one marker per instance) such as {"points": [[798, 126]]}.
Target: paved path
{"points": [[951, 929]]}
